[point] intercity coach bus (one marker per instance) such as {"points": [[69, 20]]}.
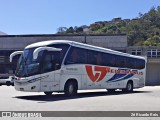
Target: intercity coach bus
{"points": [[67, 66]]}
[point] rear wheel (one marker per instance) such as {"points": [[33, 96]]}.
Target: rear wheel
{"points": [[129, 87], [48, 93], [70, 88]]}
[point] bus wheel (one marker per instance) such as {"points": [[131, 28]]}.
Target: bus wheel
{"points": [[70, 88], [8, 83], [129, 87], [111, 90], [48, 93]]}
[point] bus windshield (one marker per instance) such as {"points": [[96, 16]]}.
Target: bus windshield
{"points": [[26, 65], [46, 61]]}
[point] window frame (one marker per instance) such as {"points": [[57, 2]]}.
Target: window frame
{"points": [[154, 53], [136, 51]]}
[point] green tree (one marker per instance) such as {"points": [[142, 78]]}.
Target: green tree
{"points": [[147, 43], [95, 26], [61, 29], [70, 30]]}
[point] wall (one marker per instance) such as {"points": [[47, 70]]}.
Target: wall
{"points": [[20, 41]]}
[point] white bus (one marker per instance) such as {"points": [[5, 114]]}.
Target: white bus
{"points": [[67, 66]]}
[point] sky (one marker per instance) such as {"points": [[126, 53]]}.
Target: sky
{"points": [[46, 16]]}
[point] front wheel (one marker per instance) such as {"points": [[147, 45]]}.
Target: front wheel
{"points": [[70, 88]]}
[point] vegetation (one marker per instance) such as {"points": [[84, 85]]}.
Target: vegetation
{"points": [[141, 31]]}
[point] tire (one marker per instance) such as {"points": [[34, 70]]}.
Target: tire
{"points": [[129, 87], [70, 88], [8, 83], [111, 90], [48, 93]]}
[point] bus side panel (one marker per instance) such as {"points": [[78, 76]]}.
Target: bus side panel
{"points": [[50, 81], [71, 72]]}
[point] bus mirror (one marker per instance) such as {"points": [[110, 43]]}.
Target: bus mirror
{"points": [[37, 50], [14, 54]]}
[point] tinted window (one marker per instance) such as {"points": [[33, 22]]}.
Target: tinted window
{"points": [[94, 57], [109, 60], [51, 61], [135, 63], [140, 64], [122, 61], [130, 63], [79, 56], [64, 48], [76, 56]]}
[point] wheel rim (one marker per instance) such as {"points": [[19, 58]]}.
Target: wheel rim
{"points": [[129, 86], [71, 89]]}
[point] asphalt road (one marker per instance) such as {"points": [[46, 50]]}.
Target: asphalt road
{"points": [[143, 99]]}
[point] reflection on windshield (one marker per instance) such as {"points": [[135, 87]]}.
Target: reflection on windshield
{"points": [[26, 65]]}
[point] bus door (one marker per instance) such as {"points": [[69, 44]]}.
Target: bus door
{"points": [[50, 67]]}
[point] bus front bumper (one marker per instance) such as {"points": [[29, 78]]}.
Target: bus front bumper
{"points": [[27, 86]]}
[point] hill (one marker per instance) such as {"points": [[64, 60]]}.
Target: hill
{"points": [[141, 31], [2, 33]]}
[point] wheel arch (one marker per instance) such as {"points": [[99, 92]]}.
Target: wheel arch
{"points": [[71, 80], [131, 82]]}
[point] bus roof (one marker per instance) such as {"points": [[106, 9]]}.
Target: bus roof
{"points": [[81, 45], [49, 42]]}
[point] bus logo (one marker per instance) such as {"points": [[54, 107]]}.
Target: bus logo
{"points": [[98, 73]]}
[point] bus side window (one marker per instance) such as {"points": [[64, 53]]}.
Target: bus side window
{"points": [[113, 62], [71, 57], [51, 61], [131, 63], [64, 48], [128, 64], [82, 56], [94, 57], [140, 64], [99, 58], [47, 66], [106, 59], [121, 62], [76, 56], [56, 60]]}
